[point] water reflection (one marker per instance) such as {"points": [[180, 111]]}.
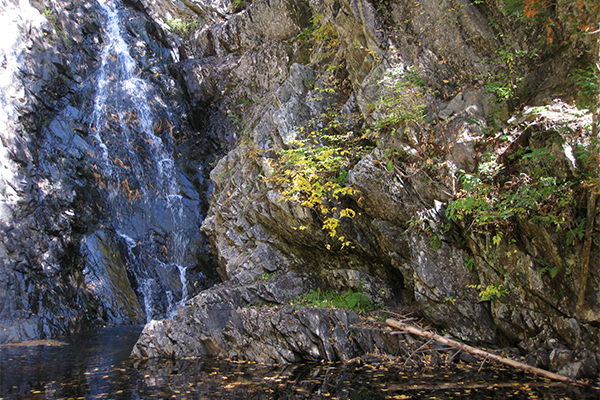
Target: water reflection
{"points": [[96, 365], [86, 365]]}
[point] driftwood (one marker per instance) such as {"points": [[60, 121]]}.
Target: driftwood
{"points": [[470, 385], [475, 351]]}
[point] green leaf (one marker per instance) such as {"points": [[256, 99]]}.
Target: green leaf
{"points": [[436, 242], [497, 239], [469, 263]]}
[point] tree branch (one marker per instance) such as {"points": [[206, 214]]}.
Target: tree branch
{"points": [[477, 352]]}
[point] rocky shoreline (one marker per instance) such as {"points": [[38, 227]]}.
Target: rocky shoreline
{"points": [[241, 323]]}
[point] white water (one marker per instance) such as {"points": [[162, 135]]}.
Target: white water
{"points": [[180, 244], [148, 289], [117, 46], [122, 99]]}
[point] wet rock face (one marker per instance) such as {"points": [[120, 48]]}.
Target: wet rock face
{"points": [[100, 213], [38, 277]]}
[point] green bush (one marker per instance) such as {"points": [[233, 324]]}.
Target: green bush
{"points": [[315, 176], [403, 98], [350, 300], [489, 200], [181, 28], [490, 292]]}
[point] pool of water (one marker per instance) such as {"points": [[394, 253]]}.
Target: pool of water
{"points": [[96, 365]]}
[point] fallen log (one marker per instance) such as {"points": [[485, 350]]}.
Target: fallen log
{"points": [[470, 385], [477, 352]]}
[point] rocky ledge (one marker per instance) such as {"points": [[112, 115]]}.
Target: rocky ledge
{"points": [[246, 323], [225, 321]]}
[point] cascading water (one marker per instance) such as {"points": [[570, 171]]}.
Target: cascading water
{"points": [[152, 211], [104, 173]]}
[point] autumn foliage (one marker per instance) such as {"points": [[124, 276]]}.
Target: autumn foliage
{"points": [[580, 16]]}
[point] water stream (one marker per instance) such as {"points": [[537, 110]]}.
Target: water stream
{"points": [[133, 129]]}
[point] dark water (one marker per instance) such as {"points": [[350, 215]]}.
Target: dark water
{"points": [[96, 365]]}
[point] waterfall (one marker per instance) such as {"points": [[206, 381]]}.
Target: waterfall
{"points": [[133, 133]]}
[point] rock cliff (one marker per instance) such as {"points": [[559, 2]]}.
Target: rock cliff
{"points": [[99, 207], [426, 154], [412, 97]]}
